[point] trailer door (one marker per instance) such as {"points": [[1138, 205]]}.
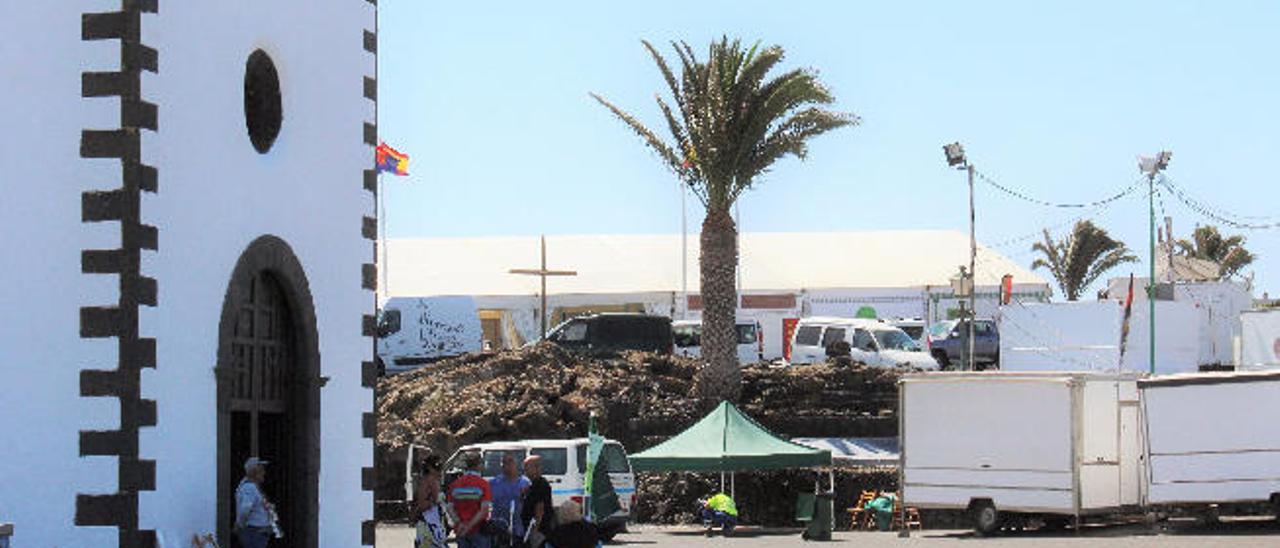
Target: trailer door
{"points": [[1130, 455]]}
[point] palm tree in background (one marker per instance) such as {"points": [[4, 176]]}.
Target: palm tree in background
{"points": [[1208, 244], [729, 124], [1079, 258]]}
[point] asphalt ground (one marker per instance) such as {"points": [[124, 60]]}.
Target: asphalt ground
{"points": [[1175, 534]]}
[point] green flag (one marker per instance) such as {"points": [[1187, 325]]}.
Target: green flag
{"points": [[602, 500]]}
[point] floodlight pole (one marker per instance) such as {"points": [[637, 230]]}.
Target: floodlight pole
{"points": [[1151, 283], [1153, 168], [973, 255], [957, 159]]}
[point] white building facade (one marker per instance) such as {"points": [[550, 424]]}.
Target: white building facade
{"points": [[188, 228]]}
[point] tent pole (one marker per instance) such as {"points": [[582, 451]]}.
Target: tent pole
{"points": [[733, 487], [721, 481], [831, 477]]}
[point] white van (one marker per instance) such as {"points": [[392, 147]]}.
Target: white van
{"points": [[872, 342], [414, 331], [564, 464], [688, 335]]}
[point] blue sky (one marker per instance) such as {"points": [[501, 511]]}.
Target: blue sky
{"points": [[1054, 99]]}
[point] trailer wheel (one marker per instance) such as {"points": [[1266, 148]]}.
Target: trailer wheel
{"points": [[986, 520]]}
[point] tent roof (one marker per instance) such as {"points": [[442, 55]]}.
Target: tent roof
{"points": [[636, 263], [727, 440]]}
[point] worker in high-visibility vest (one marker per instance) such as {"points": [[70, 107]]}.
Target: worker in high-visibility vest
{"points": [[720, 511]]}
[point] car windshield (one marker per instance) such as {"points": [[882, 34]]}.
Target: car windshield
{"points": [[941, 329], [687, 335], [895, 339]]}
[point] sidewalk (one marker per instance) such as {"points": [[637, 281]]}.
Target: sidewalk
{"points": [[1231, 534]]}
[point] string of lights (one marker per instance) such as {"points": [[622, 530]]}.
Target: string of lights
{"points": [[1218, 215], [1080, 205], [1039, 233]]}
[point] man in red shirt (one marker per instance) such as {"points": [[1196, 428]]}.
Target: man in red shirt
{"points": [[469, 504]]}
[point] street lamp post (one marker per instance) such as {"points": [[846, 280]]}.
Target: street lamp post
{"points": [[1152, 166], [957, 159]]}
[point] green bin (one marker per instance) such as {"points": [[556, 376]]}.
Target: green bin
{"points": [[823, 517]]}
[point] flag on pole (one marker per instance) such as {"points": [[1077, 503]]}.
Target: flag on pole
{"points": [[1124, 326], [391, 160], [602, 500]]}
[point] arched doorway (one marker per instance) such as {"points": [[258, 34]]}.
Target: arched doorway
{"points": [[268, 389]]}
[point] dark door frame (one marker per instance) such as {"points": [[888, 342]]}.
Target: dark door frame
{"points": [[273, 255]]}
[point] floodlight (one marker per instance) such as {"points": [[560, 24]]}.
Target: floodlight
{"points": [[955, 154]]}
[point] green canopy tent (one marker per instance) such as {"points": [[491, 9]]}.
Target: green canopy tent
{"points": [[726, 440]]}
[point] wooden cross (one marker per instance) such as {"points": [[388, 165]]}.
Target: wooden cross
{"points": [[543, 273]]}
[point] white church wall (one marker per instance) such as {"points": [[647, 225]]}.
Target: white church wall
{"points": [[217, 195], [41, 352]]}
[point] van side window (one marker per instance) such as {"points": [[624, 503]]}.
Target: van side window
{"points": [[862, 340], [555, 460], [808, 335], [493, 461], [576, 331], [983, 328], [832, 335], [746, 333]]}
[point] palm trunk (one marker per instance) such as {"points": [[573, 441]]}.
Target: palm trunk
{"points": [[721, 378]]}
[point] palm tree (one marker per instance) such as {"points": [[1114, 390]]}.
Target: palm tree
{"points": [[1079, 258], [1208, 244], [729, 125]]}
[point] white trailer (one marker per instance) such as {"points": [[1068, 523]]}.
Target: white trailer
{"points": [[1081, 336], [1213, 442], [1008, 447], [1259, 340]]}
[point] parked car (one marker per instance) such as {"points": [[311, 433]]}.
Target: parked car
{"points": [[947, 339], [615, 332], [415, 331], [688, 338], [564, 464], [872, 342]]}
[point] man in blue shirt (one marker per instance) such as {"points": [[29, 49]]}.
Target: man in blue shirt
{"points": [[508, 489], [253, 512]]}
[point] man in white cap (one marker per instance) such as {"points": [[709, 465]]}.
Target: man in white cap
{"points": [[253, 512]]}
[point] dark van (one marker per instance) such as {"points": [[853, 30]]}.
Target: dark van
{"points": [[614, 333]]}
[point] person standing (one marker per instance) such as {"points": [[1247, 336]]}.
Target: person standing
{"points": [[254, 520], [430, 530], [536, 506], [470, 502], [507, 490]]}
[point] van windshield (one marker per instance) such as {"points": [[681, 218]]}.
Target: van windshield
{"points": [[896, 339]]}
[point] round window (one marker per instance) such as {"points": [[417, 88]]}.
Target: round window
{"points": [[262, 113]]}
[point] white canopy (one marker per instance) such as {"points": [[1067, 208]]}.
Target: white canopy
{"points": [[651, 263]]}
